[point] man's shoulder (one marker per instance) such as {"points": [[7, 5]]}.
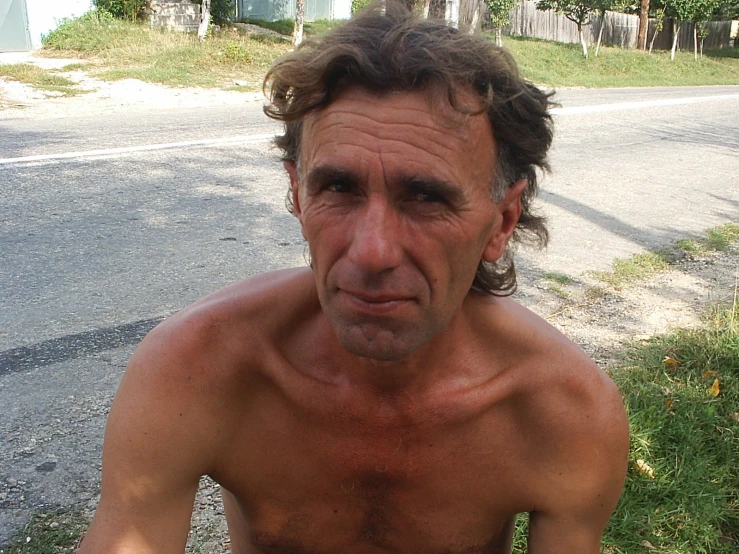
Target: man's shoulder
{"points": [[552, 378], [230, 329]]}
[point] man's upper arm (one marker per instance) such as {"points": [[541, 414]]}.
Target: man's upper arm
{"points": [[586, 484], [159, 440]]}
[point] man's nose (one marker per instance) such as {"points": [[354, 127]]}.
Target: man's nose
{"points": [[376, 242]]}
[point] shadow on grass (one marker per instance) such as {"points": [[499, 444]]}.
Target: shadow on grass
{"points": [[723, 53]]}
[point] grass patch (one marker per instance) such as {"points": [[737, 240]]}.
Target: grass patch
{"points": [[680, 392], [38, 78], [49, 533], [716, 239], [557, 64], [556, 277], [636, 268], [124, 49]]}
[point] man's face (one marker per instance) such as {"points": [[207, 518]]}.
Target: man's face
{"points": [[393, 196]]}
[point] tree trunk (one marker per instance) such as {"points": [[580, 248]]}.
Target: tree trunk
{"points": [[675, 31], [426, 8], [702, 39], [298, 29], [475, 19], [451, 14], [204, 20], [499, 37], [654, 36], [582, 40], [695, 41], [641, 40], [600, 31]]}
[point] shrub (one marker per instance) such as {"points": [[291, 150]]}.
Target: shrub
{"points": [[91, 32], [125, 9], [221, 11], [360, 4]]}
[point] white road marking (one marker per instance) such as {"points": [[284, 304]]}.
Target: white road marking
{"points": [[113, 152], [246, 139], [638, 105]]}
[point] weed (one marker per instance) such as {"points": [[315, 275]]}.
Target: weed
{"points": [[559, 290], [720, 238], [689, 246], [638, 267], [557, 277], [56, 532], [39, 78]]}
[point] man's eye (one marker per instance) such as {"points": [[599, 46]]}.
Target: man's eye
{"points": [[338, 186], [428, 198]]}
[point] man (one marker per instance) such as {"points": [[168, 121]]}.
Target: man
{"points": [[390, 398]]}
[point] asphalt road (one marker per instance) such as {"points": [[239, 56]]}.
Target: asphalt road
{"points": [[109, 224]]}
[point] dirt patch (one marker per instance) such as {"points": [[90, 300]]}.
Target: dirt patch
{"points": [[18, 100]]}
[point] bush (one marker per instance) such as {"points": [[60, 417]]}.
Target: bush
{"points": [[125, 9], [358, 5], [91, 32]]}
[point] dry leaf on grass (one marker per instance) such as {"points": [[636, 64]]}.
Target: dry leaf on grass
{"points": [[644, 468], [715, 389]]}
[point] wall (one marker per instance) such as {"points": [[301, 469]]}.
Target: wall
{"points": [[44, 15], [272, 10]]}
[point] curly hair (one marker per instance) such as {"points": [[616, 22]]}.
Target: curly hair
{"points": [[388, 49]]}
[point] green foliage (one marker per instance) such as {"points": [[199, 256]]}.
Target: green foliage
{"points": [[500, 11], [577, 11], [94, 31], [49, 533], [358, 5], [125, 9], [221, 11], [680, 393]]}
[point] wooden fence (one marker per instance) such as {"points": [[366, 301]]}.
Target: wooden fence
{"points": [[620, 29]]}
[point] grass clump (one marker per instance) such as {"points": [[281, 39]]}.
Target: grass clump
{"points": [[636, 268], [717, 239], [682, 489], [56, 532], [556, 277], [557, 64], [38, 78]]}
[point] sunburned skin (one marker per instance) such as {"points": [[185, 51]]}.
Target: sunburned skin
{"points": [[372, 403]]}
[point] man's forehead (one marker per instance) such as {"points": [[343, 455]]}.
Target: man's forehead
{"points": [[427, 108]]}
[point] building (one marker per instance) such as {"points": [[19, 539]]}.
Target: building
{"points": [[24, 22], [272, 10]]}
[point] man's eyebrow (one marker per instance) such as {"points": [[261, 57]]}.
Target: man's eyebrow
{"points": [[319, 176], [429, 185]]}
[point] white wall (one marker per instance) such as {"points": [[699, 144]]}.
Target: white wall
{"points": [[43, 15]]}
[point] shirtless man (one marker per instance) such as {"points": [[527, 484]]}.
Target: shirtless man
{"points": [[390, 398]]}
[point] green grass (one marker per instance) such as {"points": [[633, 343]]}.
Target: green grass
{"points": [[556, 277], [716, 239], [556, 64], [688, 436], [49, 533], [122, 49], [638, 267], [38, 78]]}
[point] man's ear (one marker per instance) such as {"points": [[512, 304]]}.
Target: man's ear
{"points": [[292, 171], [508, 212]]}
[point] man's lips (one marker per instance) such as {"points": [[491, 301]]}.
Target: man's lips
{"points": [[374, 302]]}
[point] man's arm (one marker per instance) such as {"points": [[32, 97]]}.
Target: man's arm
{"points": [[584, 484], [160, 438]]}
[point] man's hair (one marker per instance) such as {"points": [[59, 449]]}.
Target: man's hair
{"points": [[385, 50]]}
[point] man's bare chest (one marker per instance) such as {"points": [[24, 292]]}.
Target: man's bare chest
{"points": [[357, 488]]}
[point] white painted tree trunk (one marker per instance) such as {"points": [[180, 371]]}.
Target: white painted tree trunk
{"points": [[675, 31], [204, 20], [475, 19], [426, 8], [600, 32], [452, 13], [499, 37], [695, 41], [299, 16], [582, 40]]}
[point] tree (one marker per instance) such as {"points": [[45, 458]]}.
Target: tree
{"points": [[298, 28], [204, 19], [659, 23], [641, 39], [500, 16], [603, 6], [577, 11]]}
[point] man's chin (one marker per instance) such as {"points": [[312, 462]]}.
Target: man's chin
{"points": [[379, 345]]}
